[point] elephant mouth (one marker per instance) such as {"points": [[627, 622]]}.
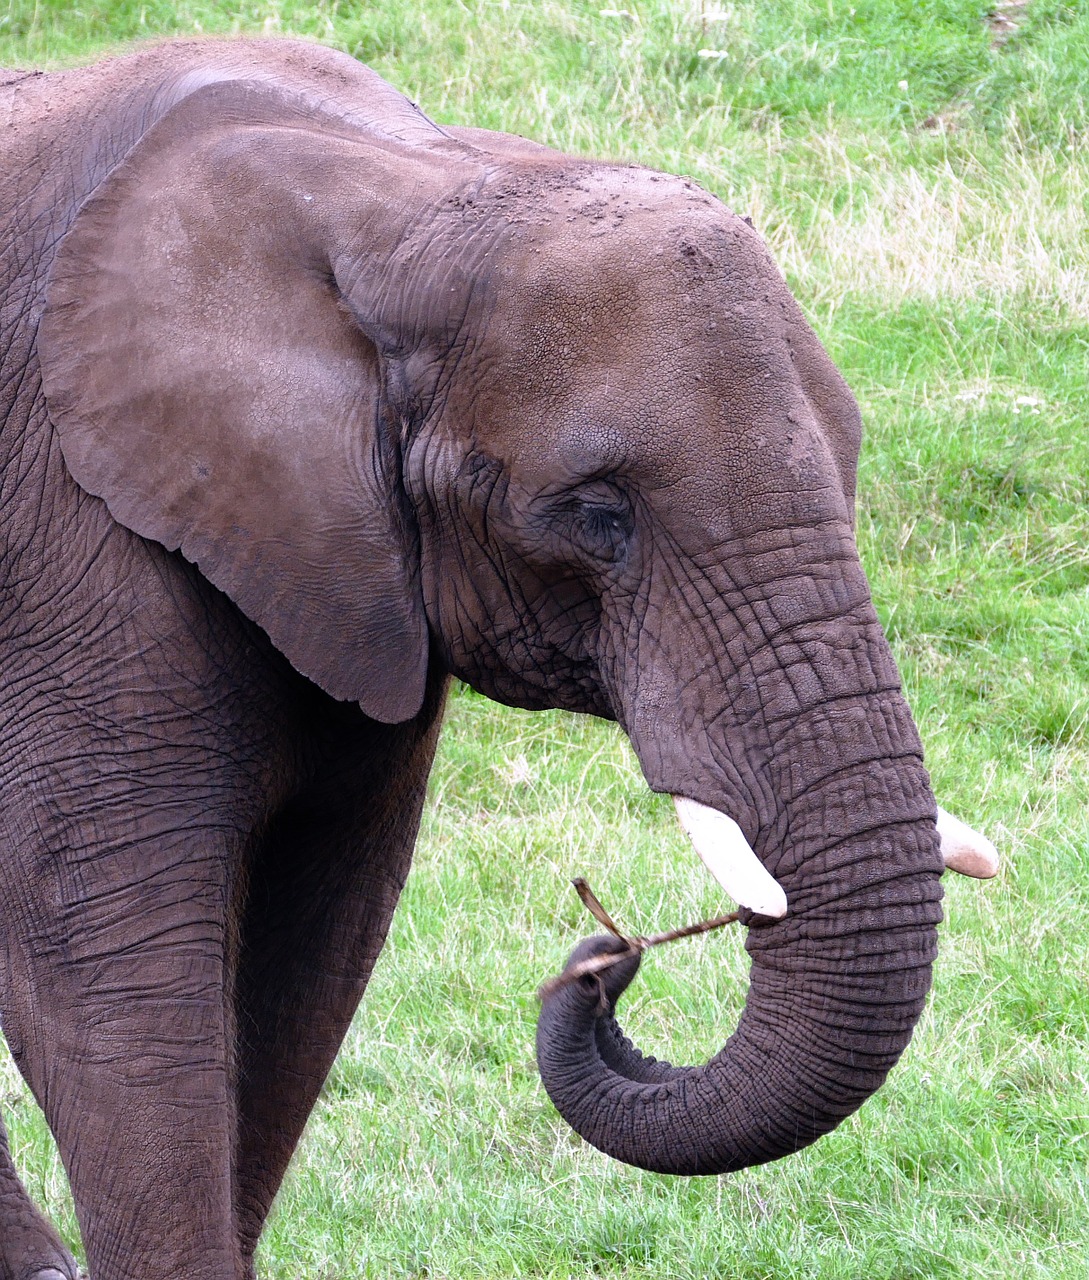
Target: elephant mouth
{"points": [[731, 860]]}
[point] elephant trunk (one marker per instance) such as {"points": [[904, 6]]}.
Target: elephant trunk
{"points": [[836, 988]]}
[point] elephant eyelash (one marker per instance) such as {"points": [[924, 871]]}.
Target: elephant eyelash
{"points": [[606, 523], [601, 531]]}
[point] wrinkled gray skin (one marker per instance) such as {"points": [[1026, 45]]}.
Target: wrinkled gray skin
{"points": [[306, 404]]}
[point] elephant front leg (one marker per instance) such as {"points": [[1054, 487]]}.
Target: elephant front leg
{"points": [[29, 1247], [298, 991], [115, 1013], [322, 890]]}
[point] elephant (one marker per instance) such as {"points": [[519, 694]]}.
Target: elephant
{"points": [[309, 405]]}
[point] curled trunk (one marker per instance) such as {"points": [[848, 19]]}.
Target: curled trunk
{"points": [[836, 989]]}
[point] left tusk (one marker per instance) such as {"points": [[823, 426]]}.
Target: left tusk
{"points": [[728, 856], [964, 850]]}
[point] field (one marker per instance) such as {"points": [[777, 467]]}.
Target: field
{"points": [[922, 175]]}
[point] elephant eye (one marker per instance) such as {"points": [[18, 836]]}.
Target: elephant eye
{"points": [[595, 521], [602, 530], [603, 525]]}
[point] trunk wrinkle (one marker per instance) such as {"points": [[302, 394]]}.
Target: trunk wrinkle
{"points": [[835, 991]]}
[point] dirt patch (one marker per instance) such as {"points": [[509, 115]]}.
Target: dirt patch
{"points": [[1004, 19]]}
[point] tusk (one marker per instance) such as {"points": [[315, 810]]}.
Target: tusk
{"points": [[965, 850], [728, 856]]}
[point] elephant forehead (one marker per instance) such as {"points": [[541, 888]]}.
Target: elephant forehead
{"points": [[662, 274], [650, 376], [639, 326]]}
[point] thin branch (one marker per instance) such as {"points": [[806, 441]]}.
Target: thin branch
{"points": [[595, 964], [590, 902]]}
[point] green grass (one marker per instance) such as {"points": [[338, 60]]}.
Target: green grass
{"points": [[927, 197]]}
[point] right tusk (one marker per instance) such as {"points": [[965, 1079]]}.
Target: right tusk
{"points": [[726, 853], [965, 850]]}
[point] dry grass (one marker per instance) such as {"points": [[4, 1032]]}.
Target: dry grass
{"points": [[1012, 227]]}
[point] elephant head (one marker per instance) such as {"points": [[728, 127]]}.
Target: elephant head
{"points": [[411, 397]]}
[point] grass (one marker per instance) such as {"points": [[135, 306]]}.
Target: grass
{"points": [[926, 195]]}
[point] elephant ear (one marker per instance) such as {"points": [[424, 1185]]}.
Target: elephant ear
{"points": [[207, 381]]}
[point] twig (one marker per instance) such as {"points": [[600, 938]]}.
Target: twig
{"points": [[590, 902], [595, 964], [688, 931]]}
